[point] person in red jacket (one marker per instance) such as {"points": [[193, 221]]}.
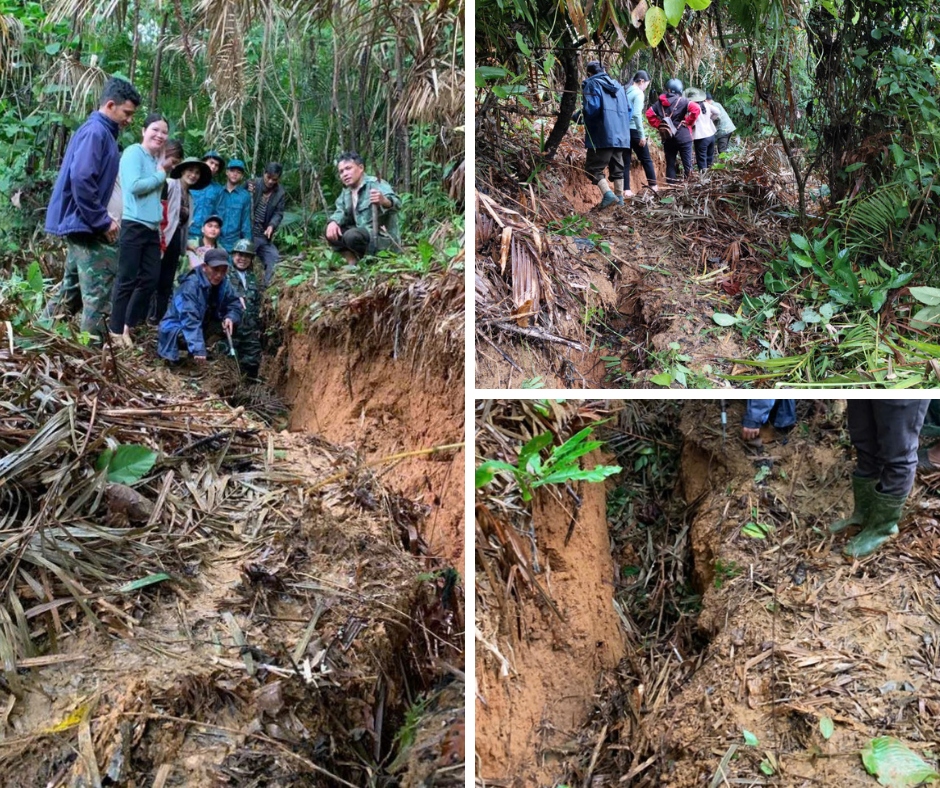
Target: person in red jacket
{"points": [[673, 116]]}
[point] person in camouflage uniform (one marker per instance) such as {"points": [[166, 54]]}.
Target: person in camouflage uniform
{"points": [[350, 226], [85, 208], [244, 284]]}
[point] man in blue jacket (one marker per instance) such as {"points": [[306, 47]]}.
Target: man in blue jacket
{"points": [[203, 295], [234, 206], [606, 118], [78, 209]]}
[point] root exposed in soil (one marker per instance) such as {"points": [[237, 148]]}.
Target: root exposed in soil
{"points": [[726, 633]]}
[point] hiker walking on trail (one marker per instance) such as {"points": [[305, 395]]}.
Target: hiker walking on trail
{"points": [[703, 132], [187, 177], [350, 228], [724, 127], [674, 116], [234, 206], [78, 209], [202, 295], [885, 436], [781, 413], [143, 173], [267, 211], [245, 287], [606, 118], [206, 201], [636, 96]]}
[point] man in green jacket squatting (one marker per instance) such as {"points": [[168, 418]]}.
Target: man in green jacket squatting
{"points": [[349, 230]]}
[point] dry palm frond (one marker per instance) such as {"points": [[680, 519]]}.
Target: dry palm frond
{"points": [[81, 85], [12, 33], [61, 10]]}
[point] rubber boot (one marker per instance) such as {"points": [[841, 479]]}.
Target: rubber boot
{"points": [[618, 190], [609, 197], [862, 490], [881, 525]]}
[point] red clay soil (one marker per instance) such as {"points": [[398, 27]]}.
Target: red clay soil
{"points": [[382, 407], [524, 720]]}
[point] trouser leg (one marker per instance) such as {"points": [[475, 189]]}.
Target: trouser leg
{"points": [[616, 165], [643, 155], [355, 240], [268, 254], [709, 152], [722, 142], [784, 413], [132, 238], [168, 266], [671, 149], [685, 154], [898, 423], [148, 277], [97, 266], [701, 155]]}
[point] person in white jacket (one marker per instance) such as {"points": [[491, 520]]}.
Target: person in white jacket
{"points": [[189, 175], [703, 133]]}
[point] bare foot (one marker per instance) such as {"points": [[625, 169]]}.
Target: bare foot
{"points": [[655, 188], [627, 194]]}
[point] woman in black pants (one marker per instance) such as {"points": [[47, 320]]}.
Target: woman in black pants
{"points": [[673, 116], [638, 141], [142, 174]]}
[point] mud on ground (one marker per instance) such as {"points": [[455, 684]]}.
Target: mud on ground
{"points": [[770, 635]]}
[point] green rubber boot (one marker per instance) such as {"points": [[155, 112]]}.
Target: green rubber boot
{"points": [[862, 490], [881, 525]]}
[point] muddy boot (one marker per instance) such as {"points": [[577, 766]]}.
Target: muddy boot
{"points": [[618, 190], [862, 491], [609, 197], [881, 525]]}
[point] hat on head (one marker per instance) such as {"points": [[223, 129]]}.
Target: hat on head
{"points": [[694, 94], [205, 174], [235, 164], [214, 154], [245, 247], [216, 258], [213, 218]]}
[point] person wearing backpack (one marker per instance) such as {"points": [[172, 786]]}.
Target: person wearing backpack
{"points": [[703, 133], [673, 116], [606, 118]]}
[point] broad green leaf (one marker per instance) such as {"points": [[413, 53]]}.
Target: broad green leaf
{"points": [[662, 379], [523, 46], [723, 319], [533, 447], [926, 318], [485, 473], [878, 298], [895, 764], [149, 580], [674, 9], [655, 26], [799, 242], [698, 5], [104, 460], [549, 63], [802, 260], [595, 474], [927, 295], [766, 767], [53, 48], [34, 277], [130, 464], [826, 727], [749, 738]]}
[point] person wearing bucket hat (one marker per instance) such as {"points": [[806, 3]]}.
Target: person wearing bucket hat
{"points": [[673, 116], [234, 206], [203, 293], [205, 201], [704, 130], [189, 176], [244, 283]]}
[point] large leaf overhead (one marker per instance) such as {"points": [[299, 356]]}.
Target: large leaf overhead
{"points": [[698, 5], [674, 9], [576, 14], [655, 26]]}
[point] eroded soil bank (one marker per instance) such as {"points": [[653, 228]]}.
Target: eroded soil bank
{"points": [[313, 642], [765, 635]]}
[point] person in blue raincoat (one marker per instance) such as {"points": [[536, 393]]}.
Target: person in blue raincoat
{"points": [[202, 293], [606, 118], [758, 412]]}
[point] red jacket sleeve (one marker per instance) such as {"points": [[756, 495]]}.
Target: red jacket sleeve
{"points": [[653, 118], [692, 113]]}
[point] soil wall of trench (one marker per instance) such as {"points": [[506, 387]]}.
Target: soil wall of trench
{"points": [[352, 386]]}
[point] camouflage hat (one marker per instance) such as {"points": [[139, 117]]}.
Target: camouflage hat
{"points": [[245, 247]]}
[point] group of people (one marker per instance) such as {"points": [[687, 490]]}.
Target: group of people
{"points": [[687, 120], [886, 436], [135, 220]]}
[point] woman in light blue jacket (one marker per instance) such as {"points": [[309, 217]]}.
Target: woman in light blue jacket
{"points": [[638, 141], [142, 174]]}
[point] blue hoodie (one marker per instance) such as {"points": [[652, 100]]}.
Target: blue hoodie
{"points": [[606, 113], [79, 202], [193, 301]]}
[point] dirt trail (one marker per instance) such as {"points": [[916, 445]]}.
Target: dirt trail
{"points": [[308, 652], [783, 631]]}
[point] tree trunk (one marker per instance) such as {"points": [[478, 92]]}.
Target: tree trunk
{"points": [[158, 63], [133, 64], [568, 57], [401, 131], [262, 68]]}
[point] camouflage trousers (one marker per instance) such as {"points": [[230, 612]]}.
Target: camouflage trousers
{"points": [[90, 268]]}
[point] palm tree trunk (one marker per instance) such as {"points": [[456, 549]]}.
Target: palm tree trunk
{"points": [[158, 63], [133, 64]]}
